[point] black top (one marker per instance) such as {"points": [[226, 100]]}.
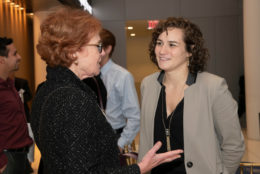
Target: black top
{"points": [[175, 120], [70, 129]]}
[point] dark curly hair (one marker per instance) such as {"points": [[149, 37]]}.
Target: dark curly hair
{"points": [[192, 37], [63, 33]]}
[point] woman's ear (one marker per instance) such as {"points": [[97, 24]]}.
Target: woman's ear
{"points": [[75, 58]]}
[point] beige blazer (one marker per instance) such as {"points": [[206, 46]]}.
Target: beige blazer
{"points": [[213, 142]]}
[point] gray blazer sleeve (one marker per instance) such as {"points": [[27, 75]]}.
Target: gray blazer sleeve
{"points": [[227, 126]]}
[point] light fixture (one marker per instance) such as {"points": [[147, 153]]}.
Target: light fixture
{"points": [[132, 34], [16, 6], [86, 5], [130, 27]]}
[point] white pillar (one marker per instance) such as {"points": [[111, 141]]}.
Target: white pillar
{"points": [[252, 66]]}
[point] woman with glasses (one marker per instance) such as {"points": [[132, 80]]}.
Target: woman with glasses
{"points": [[69, 127]]}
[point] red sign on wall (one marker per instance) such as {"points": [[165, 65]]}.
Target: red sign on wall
{"points": [[152, 24]]}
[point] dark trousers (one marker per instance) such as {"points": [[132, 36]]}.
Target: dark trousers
{"points": [[121, 156], [17, 163]]}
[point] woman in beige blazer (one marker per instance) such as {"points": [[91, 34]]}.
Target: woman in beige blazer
{"points": [[186, 108]]}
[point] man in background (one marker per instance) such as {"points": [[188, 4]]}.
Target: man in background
{"points": [[22, 87], [122, 110], [14, 136]]}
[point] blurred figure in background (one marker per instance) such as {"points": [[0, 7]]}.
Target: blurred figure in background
{"points": [[14, 137], [122, 110], [22, 87], [24, 91]]}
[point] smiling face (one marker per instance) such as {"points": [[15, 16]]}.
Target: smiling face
{"points": [[88, 59], [170, 50]]}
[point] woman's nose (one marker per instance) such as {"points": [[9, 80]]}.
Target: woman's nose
{"points": [[163, 49]]}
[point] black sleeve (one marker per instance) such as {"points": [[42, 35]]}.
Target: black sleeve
{"points": [[84, 141]]}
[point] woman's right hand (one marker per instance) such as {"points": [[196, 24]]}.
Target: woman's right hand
{"points": [[151, 159]]}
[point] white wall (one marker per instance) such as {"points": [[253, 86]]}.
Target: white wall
{"points": [[252, 64]]}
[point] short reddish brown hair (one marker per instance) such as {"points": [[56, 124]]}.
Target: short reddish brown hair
{"points": [[63, 33]]}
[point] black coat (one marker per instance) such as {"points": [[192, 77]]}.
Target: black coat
{"points": [[71, 131]]}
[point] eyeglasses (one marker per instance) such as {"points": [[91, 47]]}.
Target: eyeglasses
{"points": [[99, 46]]}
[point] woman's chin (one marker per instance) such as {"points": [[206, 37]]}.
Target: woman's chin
{"points": [[97, 72]]}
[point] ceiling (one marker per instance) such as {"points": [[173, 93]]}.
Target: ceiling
{"points": [[28, 6], [40, 5], [139, 26]]}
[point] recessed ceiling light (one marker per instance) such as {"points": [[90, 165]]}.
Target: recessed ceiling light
{"points": [[132, 34], [130, 28]]}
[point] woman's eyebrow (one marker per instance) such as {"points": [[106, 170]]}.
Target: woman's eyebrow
{"points": [[172, 41]]}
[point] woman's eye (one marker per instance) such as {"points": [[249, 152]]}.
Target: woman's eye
{"points": [[172, 45], [159, 43]]}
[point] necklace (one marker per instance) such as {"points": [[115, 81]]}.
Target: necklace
{"points": [[168, 130]]}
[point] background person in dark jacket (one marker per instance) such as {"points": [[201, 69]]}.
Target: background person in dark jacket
{"points": [[69, 128], [22, 85]]}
